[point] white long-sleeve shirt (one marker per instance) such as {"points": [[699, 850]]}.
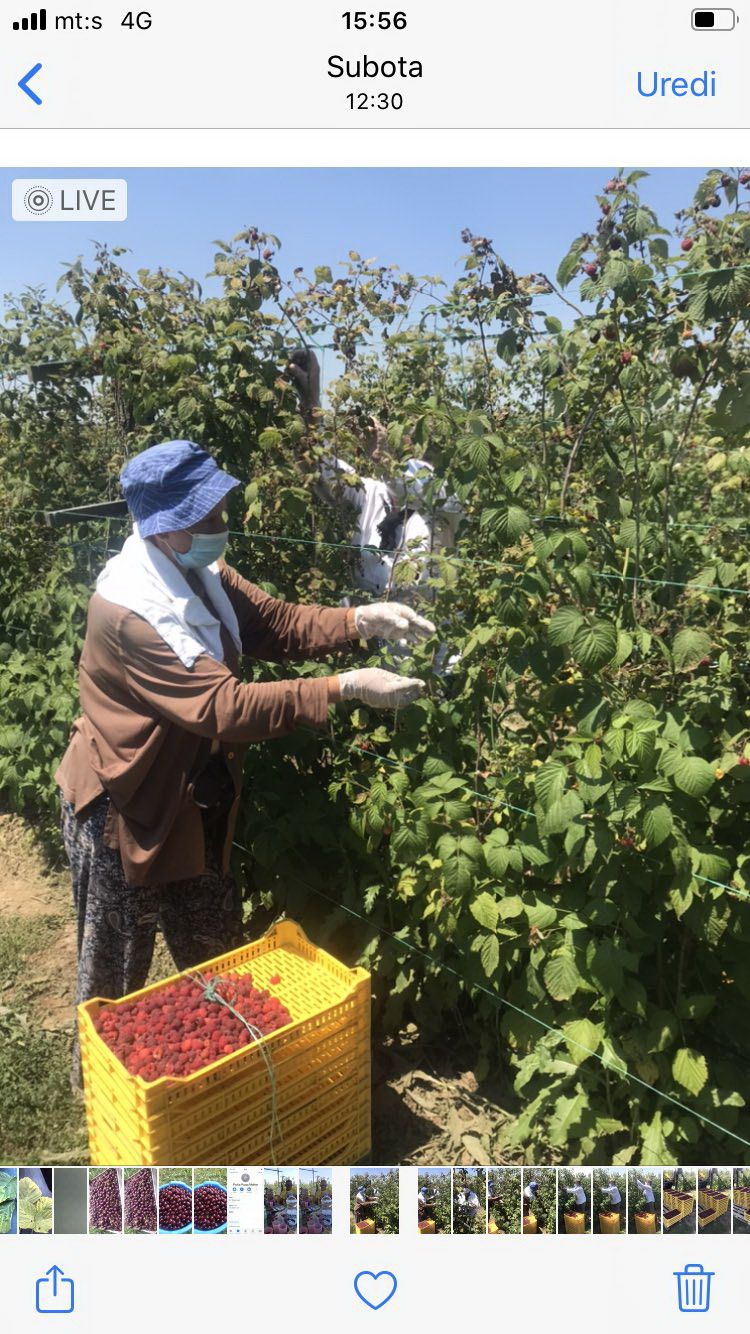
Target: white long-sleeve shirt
{"points": [[614, 1194], [579, 1192], [427, 530]]}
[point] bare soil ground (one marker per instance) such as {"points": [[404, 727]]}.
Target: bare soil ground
{"points": [[427, 1108]]}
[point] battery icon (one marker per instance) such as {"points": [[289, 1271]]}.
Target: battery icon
{"points": [[714, 20]]}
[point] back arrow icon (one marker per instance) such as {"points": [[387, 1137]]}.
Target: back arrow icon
{"points": [[24, 84]]}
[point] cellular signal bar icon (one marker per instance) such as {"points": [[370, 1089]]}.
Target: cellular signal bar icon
{"points": [[34, 23]]}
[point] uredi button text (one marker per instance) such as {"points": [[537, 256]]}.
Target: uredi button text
{"points": [[653, 84]]}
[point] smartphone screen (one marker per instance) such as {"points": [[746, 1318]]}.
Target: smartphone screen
{"points": [[374, 672]]}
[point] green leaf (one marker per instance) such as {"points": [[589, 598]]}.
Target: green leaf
{"points": [[563, 625], [540, 914], [693, 775], [561, 976], [582, 1038], [689, 647], [510, 906], [43, 1214], [486, 911], [549, 783], [655, 1147], [594, 644], [410, 843], [624, 648], [607, 1125], [605, 965], [689, 1069], [490, 955], [592, 761], [532, 853], [497, 853], [657, 824], [459, 857], [569, 265], [561, 814], [696, 1007], [7, 1187], [633, 997], [28, 1194], [507, 523], [567, 1114]]}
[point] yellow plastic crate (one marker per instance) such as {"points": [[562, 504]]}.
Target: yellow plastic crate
{"points": [[223, 1113]]}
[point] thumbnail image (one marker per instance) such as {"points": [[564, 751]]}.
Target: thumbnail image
{"points": [[139, 1191], [246, 1206], [609, 1201], [512, 404], [573, 1201], [373, 1200], [280, 1201], [35, 1200], [71, 1192], [680, 1200], [434, 1201], [8, 1200], [105, 1199], [741, 1201], [469, 1201], [644, 1201], [714, 1200], [315, 1201], [539, 1201], [503, 1201], [175, 1199], [210, 1199]]}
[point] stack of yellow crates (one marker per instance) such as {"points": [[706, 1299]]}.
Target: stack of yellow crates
{"points": [[742, 1201], [300, 1095], [711, 1205], [677, 1205]]}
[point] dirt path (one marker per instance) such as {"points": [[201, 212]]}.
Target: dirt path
{"points": [[36, 906], [427, 1108]]}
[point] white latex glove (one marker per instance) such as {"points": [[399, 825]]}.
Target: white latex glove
{"points": [[392, 621], [380, 689]]}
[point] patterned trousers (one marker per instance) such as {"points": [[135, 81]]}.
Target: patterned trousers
{"points": [[199, 917]]}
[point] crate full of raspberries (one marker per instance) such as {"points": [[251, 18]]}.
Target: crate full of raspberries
{"points": [[261, 1055]]}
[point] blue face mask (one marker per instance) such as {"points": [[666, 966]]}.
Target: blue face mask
{"points": [[204, 550]]}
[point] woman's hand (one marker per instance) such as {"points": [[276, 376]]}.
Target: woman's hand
{"points": [[380, 689], [393, 621]]}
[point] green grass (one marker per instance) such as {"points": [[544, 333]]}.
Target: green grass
{"points": [[43, 1119], [167, 1174], [20, 938], [210, 1174]]}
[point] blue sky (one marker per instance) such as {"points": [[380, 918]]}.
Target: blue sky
{"points": [[372, 1172], [411, 217]]}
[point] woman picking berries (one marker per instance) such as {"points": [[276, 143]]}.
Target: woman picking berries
{"points": [[150, 783]]}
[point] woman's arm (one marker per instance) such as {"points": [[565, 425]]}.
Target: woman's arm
{"points": [[208, 699], [275, 631]]}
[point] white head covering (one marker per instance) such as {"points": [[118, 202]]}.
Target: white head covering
{"points": [[147, 582]]}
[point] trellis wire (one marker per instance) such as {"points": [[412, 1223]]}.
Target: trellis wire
{"points": [[615, 1066], [523, 810]]}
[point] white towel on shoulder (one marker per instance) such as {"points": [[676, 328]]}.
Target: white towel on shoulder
{"points": [[147, 582]]}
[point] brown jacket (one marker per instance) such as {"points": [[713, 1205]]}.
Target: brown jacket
{"points": [[148, 722]]}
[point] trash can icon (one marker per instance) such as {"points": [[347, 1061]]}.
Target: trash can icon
{"points": [[694, 1287]]}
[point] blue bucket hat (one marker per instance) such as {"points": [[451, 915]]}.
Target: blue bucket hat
{"points": [[172, 486]]}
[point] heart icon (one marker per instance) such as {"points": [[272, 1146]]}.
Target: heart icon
{"points": [[375, 1289]]}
